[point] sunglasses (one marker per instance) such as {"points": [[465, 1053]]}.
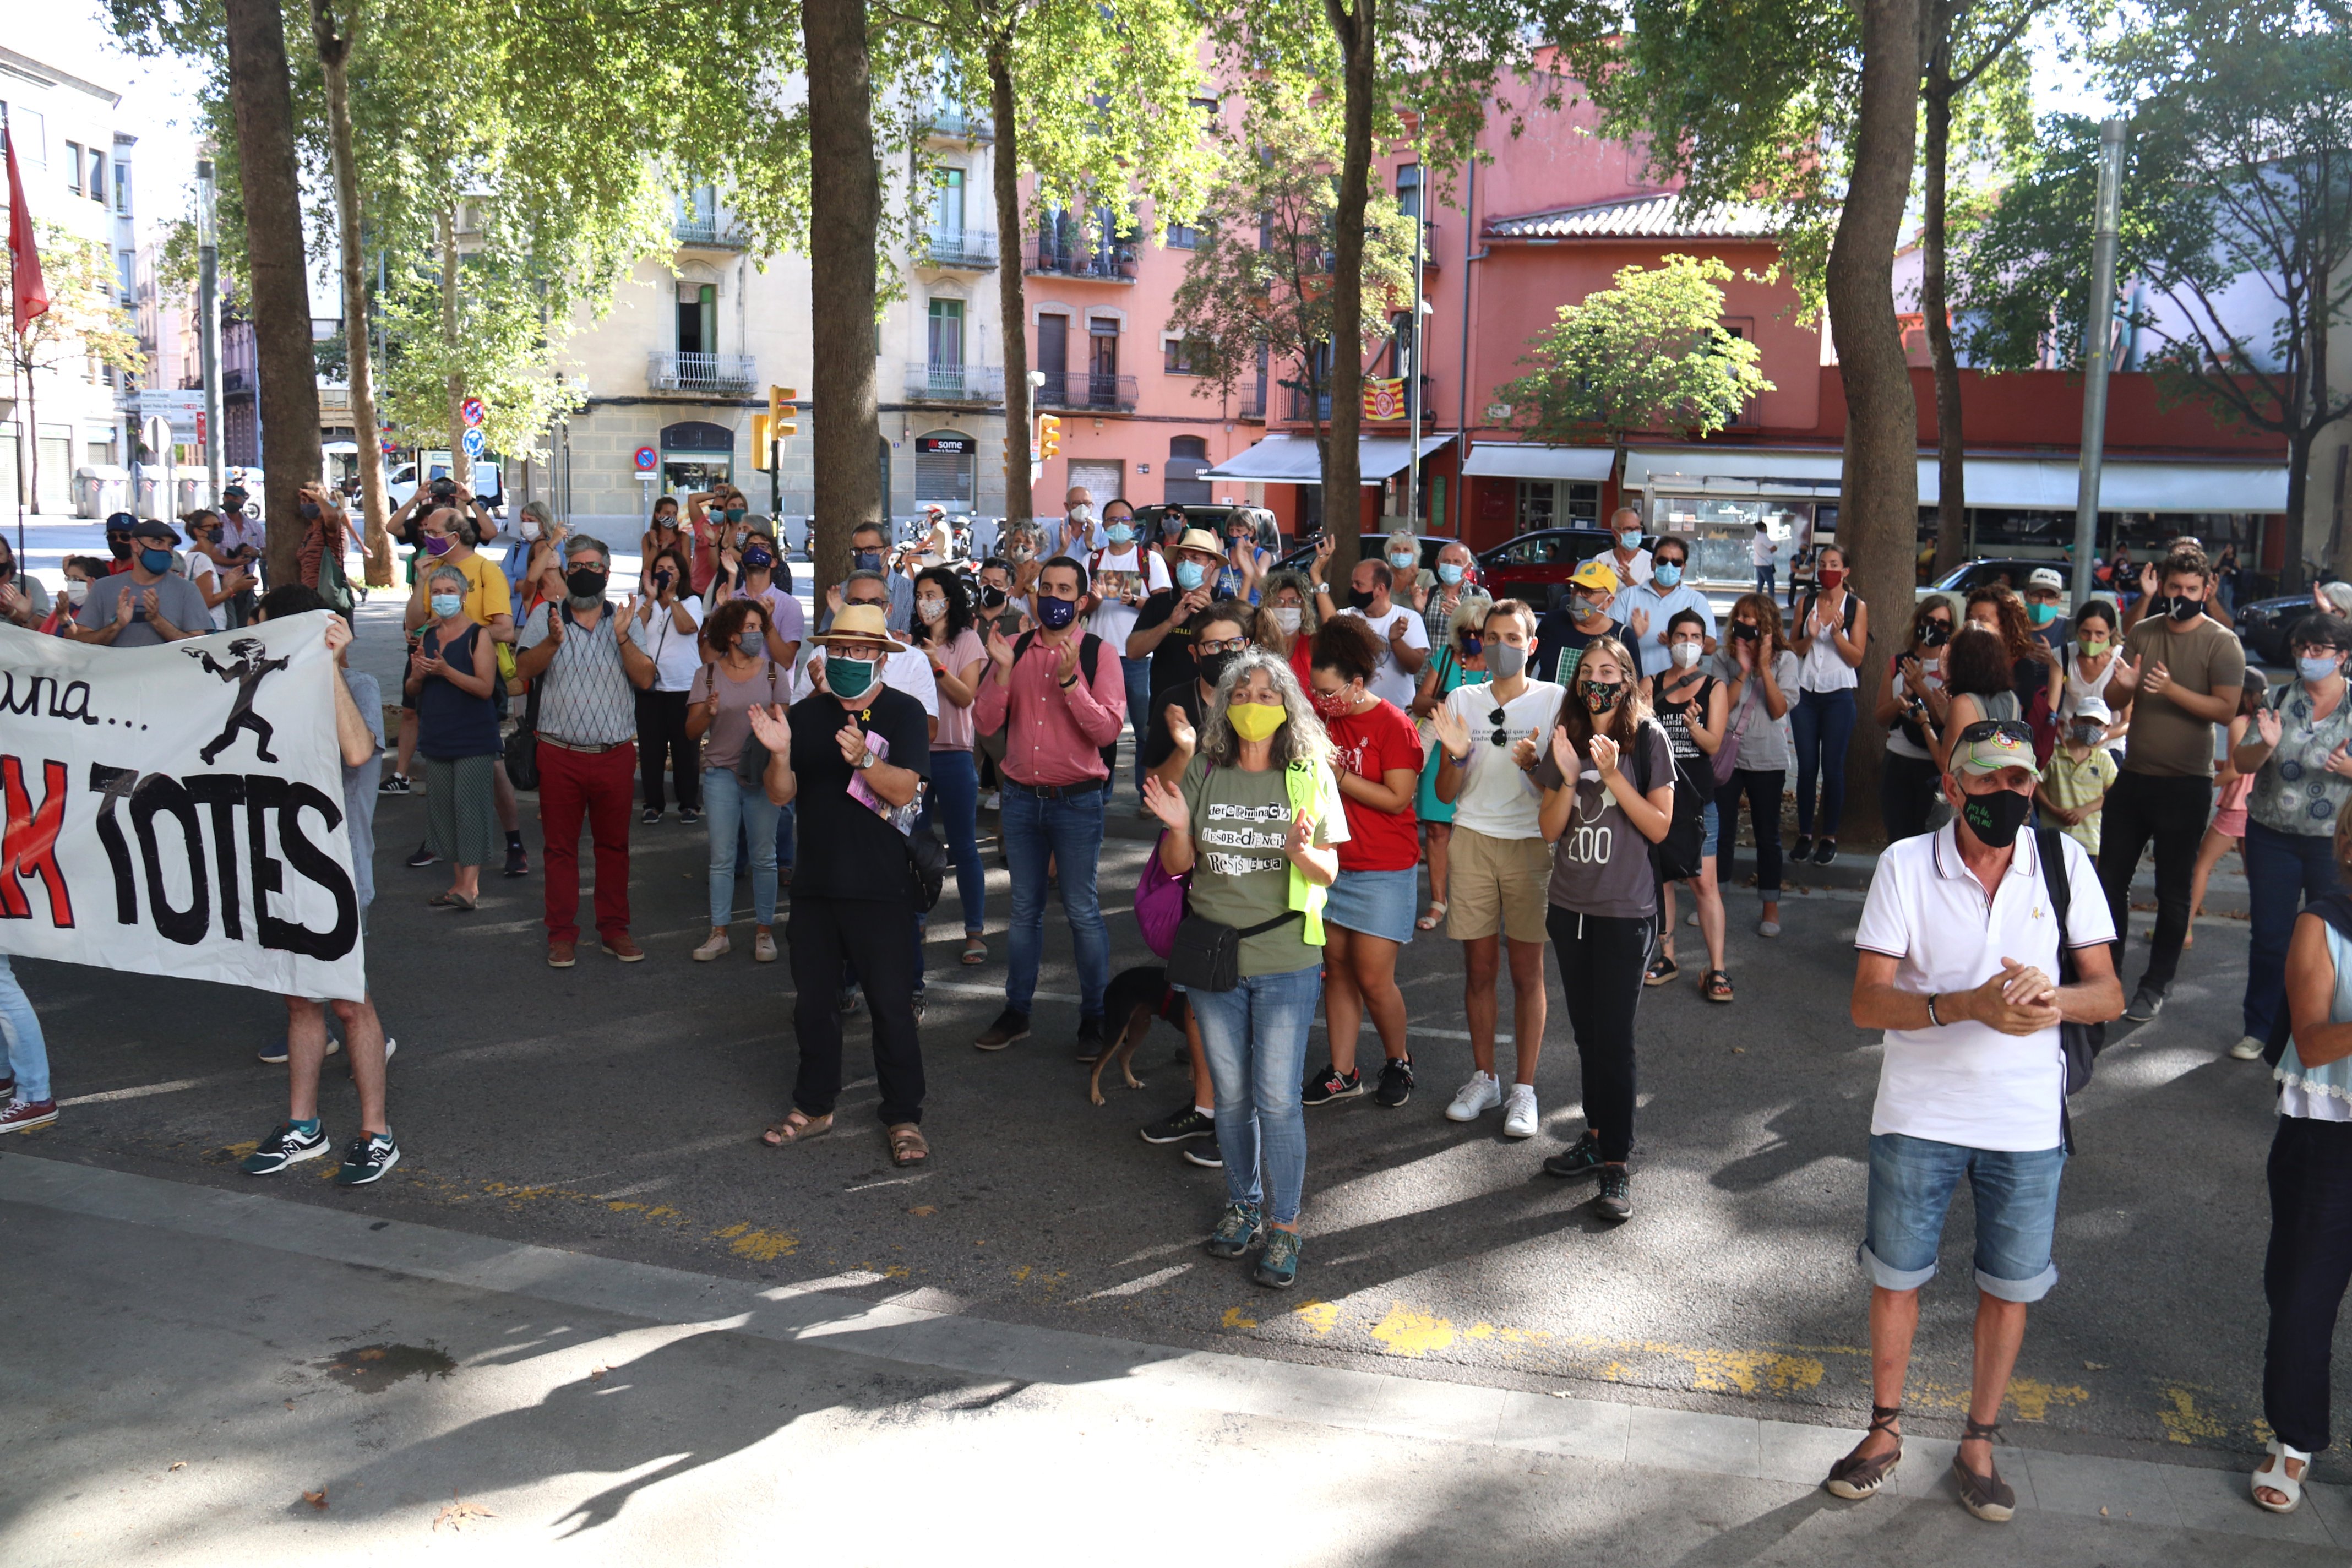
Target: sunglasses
{"points": [[1501, 737], [2014, 730]]}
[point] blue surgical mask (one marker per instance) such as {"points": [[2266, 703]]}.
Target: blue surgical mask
{"points": [[1053, 614], [157, 561], [448, 605], [1449, 573], [866, 560], [735, 514], [1402, 561], [1666, 576], [1189, 574], [2318, 668], [1118, 533], [1631, 539], [757, 558]]}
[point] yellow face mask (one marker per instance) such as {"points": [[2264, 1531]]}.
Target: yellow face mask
{"points": [[1256, 721]]}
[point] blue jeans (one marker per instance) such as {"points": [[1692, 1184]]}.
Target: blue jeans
{"points": [[2283, 872], [1764, 575], [729, 804], [1255, 1036], [22, 1049], [1911, 1184], [954, 802], [1068, 830], [1139, 712], [1822, 722]]}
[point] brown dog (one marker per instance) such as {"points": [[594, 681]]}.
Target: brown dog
{"points": [[1134, 997]]}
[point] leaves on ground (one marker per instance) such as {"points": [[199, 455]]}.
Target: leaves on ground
{"points": [[175, 1465], [596, 1375], [317, 1499], [457, 1512], [926, 1210]]}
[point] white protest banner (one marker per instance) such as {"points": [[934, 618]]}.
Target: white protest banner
{"points": [[179, 809]]}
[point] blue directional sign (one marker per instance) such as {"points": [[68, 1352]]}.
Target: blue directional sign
{"points": [[473, 440]]}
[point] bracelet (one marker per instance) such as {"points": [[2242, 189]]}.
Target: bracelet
{"points": [[1067, 684], [1939, 1022]]}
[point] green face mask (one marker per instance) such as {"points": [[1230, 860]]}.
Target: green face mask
{"points": [[2042, 615], [849, 678]]}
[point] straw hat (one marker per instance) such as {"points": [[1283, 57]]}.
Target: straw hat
{"points": [[1202, 539], [861, 622]]}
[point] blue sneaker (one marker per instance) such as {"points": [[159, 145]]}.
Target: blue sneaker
{"points": [[1237, 1229], [1277, 1267], [287, 1144]]}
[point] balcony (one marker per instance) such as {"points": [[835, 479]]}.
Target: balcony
{"points": [[1087, 390], [713, 233], [957, 250], [927, 382], [949, 123], [1251, 406], [1114, 263], [1320, 406], [706, 376]]}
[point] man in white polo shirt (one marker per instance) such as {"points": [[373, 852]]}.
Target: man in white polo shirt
{"points": [[1959, 965]]}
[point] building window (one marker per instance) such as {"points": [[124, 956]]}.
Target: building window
{"points": [[1188, 458], [1551, 503], [98, 176], [946, 203], [29, 130], [1212, 118], [122, 188], [697, 318], [1409, 190], [1400, 343], [125, 264], [1186, 356], [1182, 237], [947, 334], [73, 167]]}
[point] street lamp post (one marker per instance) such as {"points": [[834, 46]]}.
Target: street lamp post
{"points": [[208, 325], [2098, 339], [1412, 368]]}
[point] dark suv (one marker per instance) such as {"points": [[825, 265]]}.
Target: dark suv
{"points": [[1536, 567]]}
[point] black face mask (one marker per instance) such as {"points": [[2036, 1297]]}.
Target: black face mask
{"points": [[120, 544], [2183, 611], [1745, 632], [1212, 665], [1995, 819], [1938, 635], [586, 583], [309, 510], [991, 596], [1360, 598]]}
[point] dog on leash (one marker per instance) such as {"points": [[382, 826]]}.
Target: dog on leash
{"points": [[1134, 997]]}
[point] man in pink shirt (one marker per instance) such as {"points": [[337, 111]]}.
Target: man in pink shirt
{"points": [[1058, 695]]}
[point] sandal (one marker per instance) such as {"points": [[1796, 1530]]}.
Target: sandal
{"points": [[797, 1127], [975, 951], [1431, 920], [2273, 1476], [1662, 969], [1855, 1477], [907, 1148], [448, 900], [1986, 1496], [1714, 985]]}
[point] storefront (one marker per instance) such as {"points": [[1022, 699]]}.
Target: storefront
{"points": [[1294, 465], [696, 454], [1518, 487]]}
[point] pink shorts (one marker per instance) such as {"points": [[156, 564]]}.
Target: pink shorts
{"points": [[2230, 822]]}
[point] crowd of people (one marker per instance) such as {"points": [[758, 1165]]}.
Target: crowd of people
{"points": [[1305, 750]]}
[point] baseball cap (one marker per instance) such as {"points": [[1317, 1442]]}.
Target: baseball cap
{"points": [[2095, 708], [149, 528], [121, 521], [2046, 577], [1990, 746], [1596, 574], [233, 490]]}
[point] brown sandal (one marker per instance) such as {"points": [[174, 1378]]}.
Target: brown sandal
{"points": [[1856, 1477], [797, 1127], [1986, 1496], [907, 1148]]}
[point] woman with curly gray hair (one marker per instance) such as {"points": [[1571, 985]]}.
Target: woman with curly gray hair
{"points": [[1286, 621], [1254, 822]]}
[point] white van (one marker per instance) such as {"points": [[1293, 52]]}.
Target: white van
{"points": [[488, 480]]}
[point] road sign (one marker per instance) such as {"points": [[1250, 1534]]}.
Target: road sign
{"points": [[473, 440], [183, 408], [646, 459], [471, 411], [200, 428]]}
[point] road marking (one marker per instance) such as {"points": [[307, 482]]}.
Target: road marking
{"points": [[1137, 1287], [142, 1091]]}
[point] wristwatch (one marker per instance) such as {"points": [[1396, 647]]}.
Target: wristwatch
{"points": [[866, 761]]}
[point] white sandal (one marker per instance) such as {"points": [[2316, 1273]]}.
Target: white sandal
{"points": [[2273, 1476]]}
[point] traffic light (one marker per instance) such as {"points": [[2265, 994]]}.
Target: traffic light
{"points": [[781, 412], [1049, 436], [760, 427]]}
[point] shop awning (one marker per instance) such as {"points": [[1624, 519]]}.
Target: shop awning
{"points": [[1294, 460], [1529, 460], [2019, 482], [1735, 472]]}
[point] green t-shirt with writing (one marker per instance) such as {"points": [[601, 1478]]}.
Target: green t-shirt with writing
{"points": [[1241, 877]]}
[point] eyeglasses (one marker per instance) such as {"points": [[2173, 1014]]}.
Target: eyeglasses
{"points": [[1224, 645]]}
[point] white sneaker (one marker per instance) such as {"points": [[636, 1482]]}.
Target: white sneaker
{"points": [[1768, 928], [1474, 1099], [716, 945], [2248, 1049], [1519, 1112]]}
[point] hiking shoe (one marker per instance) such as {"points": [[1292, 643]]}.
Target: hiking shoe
{"points": [[1520, 1111], [1205, 1154], [623, 946], [1580, 1158], [1009, 1027], [286, 1145], [275, 1053], [518, 863], [366, 1158], [422, 856], [715, 945], [1180, 1125], [1237, 1229], [1396, 1083], [2145, 1004], [562, 954], [1474, 1099], [24, 1115], [394, 784], [1277, 1265], [2247, 1049], [1331, 1084], [1615, 1200]]}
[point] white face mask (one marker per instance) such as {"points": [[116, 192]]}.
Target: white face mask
{"points": [[1686, 654], [932, 609], [77, 590], [530, 529], [1285, 620]]}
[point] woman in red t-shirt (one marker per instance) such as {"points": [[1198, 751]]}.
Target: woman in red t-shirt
{"points": [[1368, 915]]}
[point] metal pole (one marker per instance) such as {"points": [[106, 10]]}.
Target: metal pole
{"points": [[2098, 339], [1412, 368], [208, 325]]}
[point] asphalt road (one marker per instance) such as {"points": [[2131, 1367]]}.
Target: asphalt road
{"points": [[614, 1110]]}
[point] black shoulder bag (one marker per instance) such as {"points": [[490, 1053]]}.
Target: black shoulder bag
{"points": [[2079, 1044], [751, 760], [1206, 954]]}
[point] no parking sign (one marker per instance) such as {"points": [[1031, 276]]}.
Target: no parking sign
{"points": [[645, 460]]}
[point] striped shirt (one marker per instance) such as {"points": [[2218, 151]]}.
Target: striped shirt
{"points": [[586, 698]]}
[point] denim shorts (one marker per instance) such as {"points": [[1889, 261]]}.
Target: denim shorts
{"points": [[1911, 1184], [1377, 903]]}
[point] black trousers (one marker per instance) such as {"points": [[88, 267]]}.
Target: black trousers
{"points": [[2304, 1274], [1601, 963], [662, 742], [2172, 813], [1908, 789], [1763, 793], [823, 937]]}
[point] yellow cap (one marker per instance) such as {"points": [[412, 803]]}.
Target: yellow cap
{"points": [[1596, 574]]}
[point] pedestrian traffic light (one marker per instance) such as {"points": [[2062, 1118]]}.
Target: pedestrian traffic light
{"points": [[781, 412], [1049, 436]]}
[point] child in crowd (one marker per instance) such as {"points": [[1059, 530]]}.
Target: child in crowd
{"points": [[2230, 788], [2075, 782]]}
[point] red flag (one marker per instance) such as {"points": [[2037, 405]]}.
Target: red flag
{"points": [[30, 296]]}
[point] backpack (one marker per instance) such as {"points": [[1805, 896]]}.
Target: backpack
{"points": [[1089, 651], [2079, 1044], [1679, 856], [1814, 597]]}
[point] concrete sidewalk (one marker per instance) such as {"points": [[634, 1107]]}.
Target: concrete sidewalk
{"points": [[203, 1376]]}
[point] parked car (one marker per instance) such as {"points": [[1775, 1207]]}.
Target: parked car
{"points": [[1536, 567], [1213, 518], [488, 482], [1969, 575], [1302, 555], [2263, 625]]}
